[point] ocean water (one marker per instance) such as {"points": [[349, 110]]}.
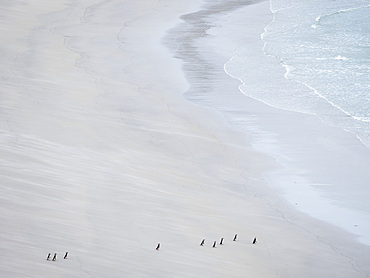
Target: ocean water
{"points": [[323, 50], [315, 59]]}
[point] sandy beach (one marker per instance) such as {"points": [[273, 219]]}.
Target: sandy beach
{"points": [[117, 132]]}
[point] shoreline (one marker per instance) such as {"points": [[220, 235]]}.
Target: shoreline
{"points": [[263, 132], [324, 158], [323, 143], [106, 157]]}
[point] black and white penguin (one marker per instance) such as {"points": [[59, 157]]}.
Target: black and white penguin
{"points": [[158, 246], [65, 256], [214, 244], [236, 235], [55, 257], [222, 241], [202, 243], [254, 240], [48, 258]]}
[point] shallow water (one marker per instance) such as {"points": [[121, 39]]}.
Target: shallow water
{"points": [[324, 49]]}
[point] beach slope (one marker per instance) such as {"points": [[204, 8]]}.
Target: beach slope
{"points": [[103, 157]]}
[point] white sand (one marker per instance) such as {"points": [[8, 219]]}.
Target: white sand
{"points": [[102, 157]]}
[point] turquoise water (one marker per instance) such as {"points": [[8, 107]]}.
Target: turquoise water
{"points": [[323, 49]]}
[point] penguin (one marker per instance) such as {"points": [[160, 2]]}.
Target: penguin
{"points": [[222, 241], [158, 246], [254, 240], [202, 243], [48, 258], [65, 256], [236, 235], [55, 257], [214, 244]]}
